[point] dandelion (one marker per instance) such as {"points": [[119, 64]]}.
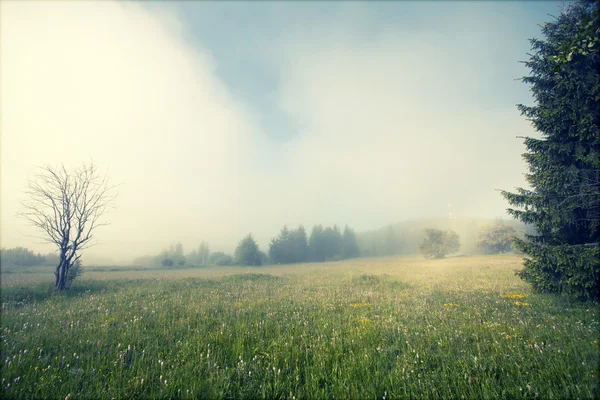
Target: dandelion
{"points": [[522, 304], [513, 295]]}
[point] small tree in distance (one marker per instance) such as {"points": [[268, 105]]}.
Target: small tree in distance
{"points": [[247, 252], [221, 259], [496, 238], [438, 243], [67, 206]]}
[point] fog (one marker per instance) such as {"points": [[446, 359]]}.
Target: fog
{"points": [[299, 113]]}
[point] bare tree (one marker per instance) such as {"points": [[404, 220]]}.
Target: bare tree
{"points": [[67, 206]]}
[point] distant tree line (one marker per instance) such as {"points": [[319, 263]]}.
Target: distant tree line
{"points": [[477, 236], [324, 244], [383, 242], [293, 246], [23, 257], [290, 246]]}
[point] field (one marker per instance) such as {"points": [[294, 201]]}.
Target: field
{"points": [[376, 328]]}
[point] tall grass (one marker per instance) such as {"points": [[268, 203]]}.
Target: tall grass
{"points": [[367, 328]]}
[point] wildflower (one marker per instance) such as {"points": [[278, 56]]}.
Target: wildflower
{"points": [[522, 304], [513, 295]]}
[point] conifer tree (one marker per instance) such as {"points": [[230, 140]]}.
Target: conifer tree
{"points": [[563, 203], [349, 244]]}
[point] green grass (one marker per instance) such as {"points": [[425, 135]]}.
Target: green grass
{"points": [[364, 328]]}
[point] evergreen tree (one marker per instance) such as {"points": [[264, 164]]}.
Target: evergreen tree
{"points": [[331, 243], [349, 244], [289, 246], [247, 252], [279, 247], [316, 249], [564, 164], [275, 255], [299, 245]]}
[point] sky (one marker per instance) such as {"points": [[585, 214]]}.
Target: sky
{"points": [[219, 119]]}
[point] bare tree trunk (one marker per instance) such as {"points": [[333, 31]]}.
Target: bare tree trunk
{"points": [[57, 275], [61, 273]]}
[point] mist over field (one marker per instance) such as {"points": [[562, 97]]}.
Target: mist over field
{"points": [[221, 119], [299, 200]]}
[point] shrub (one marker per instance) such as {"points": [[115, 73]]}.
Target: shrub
{"points": [[76, 270], [496, 238], [438, 244]]}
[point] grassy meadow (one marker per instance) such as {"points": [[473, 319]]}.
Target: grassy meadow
{"points": [[377, 328]]}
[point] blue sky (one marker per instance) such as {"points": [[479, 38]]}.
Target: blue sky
{"points": [[224, 118], [240, 34]]}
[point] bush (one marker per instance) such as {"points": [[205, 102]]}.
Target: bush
{"points": [[75, 271], [496, 239], [438, 244], [221, 259]]}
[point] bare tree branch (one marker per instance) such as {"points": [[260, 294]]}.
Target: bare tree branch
{"points": [[68, 207]]}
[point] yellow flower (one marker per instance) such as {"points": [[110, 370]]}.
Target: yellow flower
{"points": [[521, 304], [513, 295]]}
